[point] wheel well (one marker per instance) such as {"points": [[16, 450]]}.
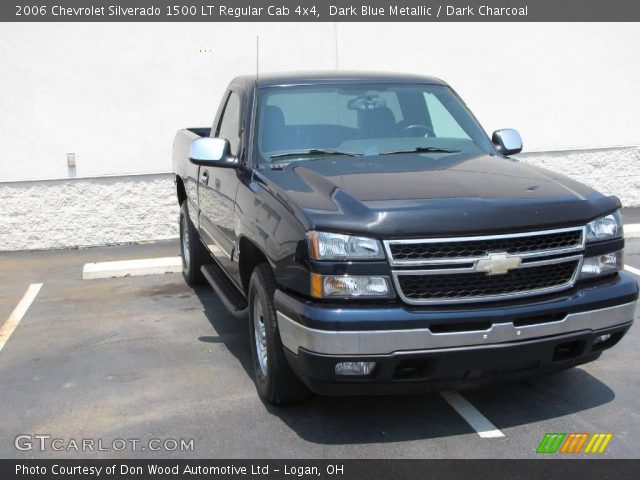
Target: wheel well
{"points": [[182, 193], [250, 256]]}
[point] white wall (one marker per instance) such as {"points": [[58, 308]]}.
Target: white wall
{"points": [[562, 85], [116, 93]]}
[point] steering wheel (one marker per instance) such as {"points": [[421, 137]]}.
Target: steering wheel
{"points": [[417, 130]]}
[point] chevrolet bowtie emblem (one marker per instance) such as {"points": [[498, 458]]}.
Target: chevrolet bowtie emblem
{"points": [[497, 263]]}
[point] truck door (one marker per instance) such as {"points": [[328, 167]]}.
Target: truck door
{"points": [[218, 186]]}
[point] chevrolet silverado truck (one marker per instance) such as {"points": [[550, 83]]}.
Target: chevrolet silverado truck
{"points": [[377, 241]]}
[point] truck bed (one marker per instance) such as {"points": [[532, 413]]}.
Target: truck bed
{"points": [[181, 146], [200, 131]]}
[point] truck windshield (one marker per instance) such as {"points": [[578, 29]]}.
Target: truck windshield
{"points": [[297, 123]]}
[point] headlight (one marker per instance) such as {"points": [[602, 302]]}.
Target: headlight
{"points": [[605, 228], [334, 246], [604, 264], [349, 286]]}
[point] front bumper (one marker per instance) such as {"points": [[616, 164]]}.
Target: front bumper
{"points": [[427, 349]]}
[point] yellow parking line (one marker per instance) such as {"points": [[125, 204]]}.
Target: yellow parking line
{"points": [[13, 321]]}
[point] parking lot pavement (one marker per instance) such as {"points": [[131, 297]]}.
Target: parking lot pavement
{"points": [[148, 357], [631, 215], [632, 253]]}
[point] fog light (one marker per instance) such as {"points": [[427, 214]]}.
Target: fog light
{"points": [[601, 265], [602, 338], [355, 368]]}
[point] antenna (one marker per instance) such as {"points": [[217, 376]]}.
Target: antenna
{"points": [[257, 58], [335, 37], [257, 69], [255, 96]]}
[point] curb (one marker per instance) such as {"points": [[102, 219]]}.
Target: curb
{"points": [[632, 230], [132, 268]]}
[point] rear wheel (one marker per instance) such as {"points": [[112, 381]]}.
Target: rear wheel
{"points": [[275, 381], [194, 254]]}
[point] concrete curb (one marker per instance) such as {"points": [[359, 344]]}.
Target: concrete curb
{"points": [[632, 230], [131, 268]]}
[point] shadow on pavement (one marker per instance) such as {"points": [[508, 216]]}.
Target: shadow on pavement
{"points": [[350, 420], [382, 419], [541, 398], [233, 333]]}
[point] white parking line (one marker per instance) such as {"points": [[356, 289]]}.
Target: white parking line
{"points": [[635, 271], [473, 417], [12, 322], [129, 268]]}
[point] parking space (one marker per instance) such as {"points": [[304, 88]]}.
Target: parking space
{"points": [[632, 253], [148, 357]]}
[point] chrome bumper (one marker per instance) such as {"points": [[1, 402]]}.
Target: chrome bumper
{"points": [[384, 342]]}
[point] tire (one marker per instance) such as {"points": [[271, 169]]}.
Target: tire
{"points": [[193, 252], [275, 381]]}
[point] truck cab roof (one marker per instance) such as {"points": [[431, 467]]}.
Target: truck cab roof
{"points": [[333, 77]]}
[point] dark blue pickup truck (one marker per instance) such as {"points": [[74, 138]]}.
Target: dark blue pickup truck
{"points": [[378, 241]]}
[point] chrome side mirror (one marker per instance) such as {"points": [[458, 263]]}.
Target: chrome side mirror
{"points": [[212, 152], [507, 141]]}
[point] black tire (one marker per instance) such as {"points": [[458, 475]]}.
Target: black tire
{"points": [[279, 385], [197, 253]]}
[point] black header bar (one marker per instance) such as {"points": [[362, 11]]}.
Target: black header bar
{"points": [[320, 11], [323, 469]]}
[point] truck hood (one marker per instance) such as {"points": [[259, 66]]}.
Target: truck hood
{"points": [[406, 195]]}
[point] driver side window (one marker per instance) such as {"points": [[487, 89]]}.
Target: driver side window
{"points": [[230, 125]]}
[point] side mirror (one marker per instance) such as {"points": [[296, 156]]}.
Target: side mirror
{"points": [[507, 141], [212, 152]]}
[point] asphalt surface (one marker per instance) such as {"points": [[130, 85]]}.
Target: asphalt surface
{"points": [[148, 357], [631, 215]]}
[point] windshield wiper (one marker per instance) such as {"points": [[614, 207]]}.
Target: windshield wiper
{"points": [[421, 150], [314, 152]]}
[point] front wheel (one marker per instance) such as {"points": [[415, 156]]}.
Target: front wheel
{"points": [[194, 254], [275, 382]]}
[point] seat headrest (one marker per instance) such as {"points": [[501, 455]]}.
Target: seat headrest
{"points": [[273, 117], [272, 135], [377, 122]]}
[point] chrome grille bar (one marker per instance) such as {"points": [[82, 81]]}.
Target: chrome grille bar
{"points": [[388, 244], [396, 274], [452, 256]]}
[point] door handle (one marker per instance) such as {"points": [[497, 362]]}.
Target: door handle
{"points": [[204, 177]]}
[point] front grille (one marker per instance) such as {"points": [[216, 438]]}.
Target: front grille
{"points": [[487, 268], [424, 288], [422, 252]]}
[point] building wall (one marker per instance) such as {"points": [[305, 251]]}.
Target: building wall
{"points": [[612, 171], [138, 208], [85, 212], [115, 94], [564, 86]]}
